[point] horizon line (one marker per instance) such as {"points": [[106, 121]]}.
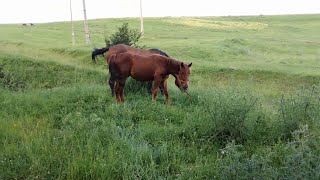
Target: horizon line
{"points": [[92, 19]]}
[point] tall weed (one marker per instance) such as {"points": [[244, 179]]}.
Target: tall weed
{"points": [[232, 114], [298, 109]]}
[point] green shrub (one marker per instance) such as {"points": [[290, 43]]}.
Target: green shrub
{"points": [[11, 82], [232, 115], [302, 161], [124, 35], [296, 159], [302, 108], [236, 163]]}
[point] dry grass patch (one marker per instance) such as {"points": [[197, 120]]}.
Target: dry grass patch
{"points": [[217, 24]]}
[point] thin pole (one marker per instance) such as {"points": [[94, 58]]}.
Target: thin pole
{"points": [[72, 29], [141, 19], [86, 27]]}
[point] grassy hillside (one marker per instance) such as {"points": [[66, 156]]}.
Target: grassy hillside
{"points": [[254, 111]]}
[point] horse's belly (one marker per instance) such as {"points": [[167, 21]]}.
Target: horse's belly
{"points": [[142, 74]]}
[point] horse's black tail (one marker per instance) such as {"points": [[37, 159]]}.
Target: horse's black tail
{"points": [[113, 74], [97, 52], [157, 51]]}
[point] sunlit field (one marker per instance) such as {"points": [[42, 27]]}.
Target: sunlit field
{"points": [[254, 111]]}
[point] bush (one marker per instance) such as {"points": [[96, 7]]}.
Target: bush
{"points": [[302, 108], [10, 82], [302, 161], [298, 159], [124, 35], [233, 115], [235, 164]]}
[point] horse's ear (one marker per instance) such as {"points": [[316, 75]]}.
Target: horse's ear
{"points": [[181, 64], [190, 64]]}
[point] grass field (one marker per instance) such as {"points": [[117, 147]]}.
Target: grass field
{"points": [[254, 111]]}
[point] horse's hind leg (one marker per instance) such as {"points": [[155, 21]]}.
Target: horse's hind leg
{"points": [[149, 86], [161, 87], [119, 87], [112, 83], [114, 75], [122, 83], [116, 88]]}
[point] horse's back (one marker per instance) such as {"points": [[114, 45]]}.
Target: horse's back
{"points": [[116, 49], [125, 48], [121, 48], [147, 67]]}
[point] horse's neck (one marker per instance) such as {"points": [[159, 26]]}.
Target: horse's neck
{"points": [[173, 67]]}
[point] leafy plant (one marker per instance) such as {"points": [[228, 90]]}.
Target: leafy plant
{"points": [[235, 164], [10, 82], [124, 35], [302, 108], [302, 157], [232, 115]]}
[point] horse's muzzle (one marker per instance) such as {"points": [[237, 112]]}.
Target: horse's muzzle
{"points": [[184, 87]]}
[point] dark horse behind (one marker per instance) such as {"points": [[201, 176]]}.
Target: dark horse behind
{"points": [[155, 68], [122, 48]]}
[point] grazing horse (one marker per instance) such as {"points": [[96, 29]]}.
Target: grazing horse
{"points": [[24, 24], [31, 24], [155, 68], [121, 48]]}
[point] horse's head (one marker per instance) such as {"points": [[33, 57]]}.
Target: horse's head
{"points": [[182, 80]]}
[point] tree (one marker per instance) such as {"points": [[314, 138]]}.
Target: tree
{"points": [[124, 35]]}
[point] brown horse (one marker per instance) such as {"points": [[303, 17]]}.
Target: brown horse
{"points": [[122, 48], [155, 68]]}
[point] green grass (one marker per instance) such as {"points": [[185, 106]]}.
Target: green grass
{"points": [[254, 111]]}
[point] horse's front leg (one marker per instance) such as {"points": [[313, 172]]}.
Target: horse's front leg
{"points": [[161, 87], [156, 84]]}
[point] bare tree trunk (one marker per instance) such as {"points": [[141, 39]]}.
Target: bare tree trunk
{"points": [[73, 41], [141, 19], [86, 27]]}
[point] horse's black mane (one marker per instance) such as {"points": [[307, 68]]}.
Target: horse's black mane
{"points": [[157, 51]]}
